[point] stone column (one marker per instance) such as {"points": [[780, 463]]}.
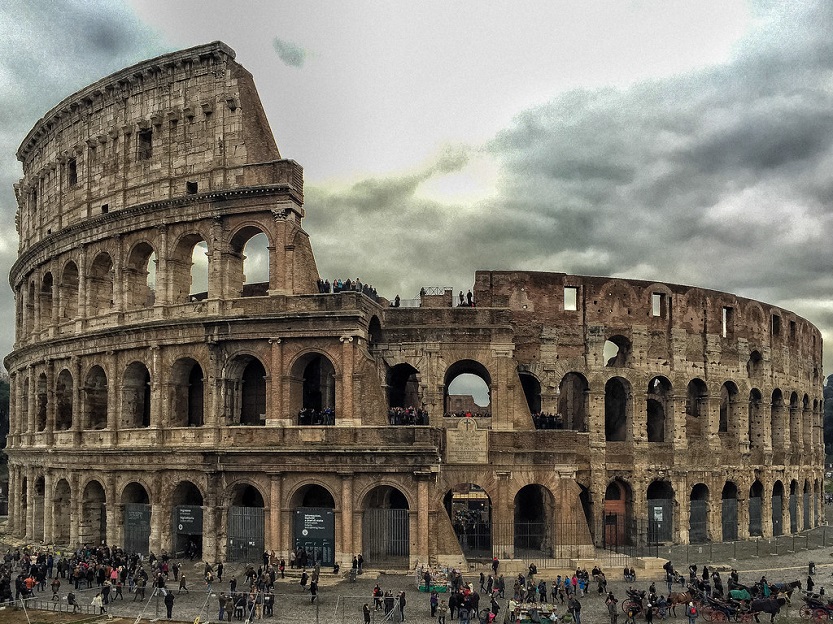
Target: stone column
{"points": [[14, 417], [158, 404], [503, 544], [83, 314], [346, 547], [503, 388], [50, 403], [162, 295], [114, 527], [344, 408], [423, 506], [76, 509], [766, 509], [677, 423], [48, 511], [118, 277], [275, 506], [15, 497], [276, 413], [216, 281], [220, 531], [32, 405], [30, 503]]}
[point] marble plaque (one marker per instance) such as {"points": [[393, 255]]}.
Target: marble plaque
{"points": [[467, 444]]}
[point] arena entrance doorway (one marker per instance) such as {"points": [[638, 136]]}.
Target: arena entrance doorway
{"points": [[534, 527], [246, 530], [660, 501], [470, 510], [136, 519], [385, 527], [313, 527], [186, 518]]}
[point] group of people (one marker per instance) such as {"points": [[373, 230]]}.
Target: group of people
{"points": [[467, 301], [407, 416], [468, 414], [310, 416], [386, 602], [543, 420], [338, 285]]}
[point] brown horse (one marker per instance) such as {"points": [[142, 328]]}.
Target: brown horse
{"points": [[683, 598]]}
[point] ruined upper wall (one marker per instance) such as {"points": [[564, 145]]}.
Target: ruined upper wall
{"points": [[672, 320], [182, 123]]}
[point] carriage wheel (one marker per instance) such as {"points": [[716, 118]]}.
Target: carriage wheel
{"points": [[708, 614], [805, 612], [748, 616], [820, 615], [719, 616], [630, 605]]}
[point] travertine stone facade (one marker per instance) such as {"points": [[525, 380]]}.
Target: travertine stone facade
{"points": [[137, 393]]}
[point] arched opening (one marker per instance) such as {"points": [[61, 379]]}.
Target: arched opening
{"points": [[136, 518], [253, 394], [100, 285], [42, 401], [92, 525], [46, 300], [61, 506], [534, 522], [95, 399], [573, 393], [247, 264], [617, 352], [405, 405], [186, 520], [140, 277], [698, 514], [313, 390], [728, 406], [729, 512], [617, 409], [63, 401], [756, 419], [532, 391], [375, 336], [68, 292], [808, 518], [24, 407], [777, 509], [188, 269], [30, 307], [385, 531], [468, 389], [470, 510], [187, 400], [587, 508], [755, 364], [658, 404], [756, 493], [794, 421], [313, 527], [697, 410], [618, 525], [793, 506], [136, 397], [660, 503], [777, 420], [246, 534]]}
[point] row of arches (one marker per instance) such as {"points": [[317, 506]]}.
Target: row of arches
{"points": [[106, 280], [710, 518]]}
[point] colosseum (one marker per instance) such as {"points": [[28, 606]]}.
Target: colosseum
{"points": [[163, 400]]}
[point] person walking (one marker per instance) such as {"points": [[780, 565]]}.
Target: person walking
{"points": [[442, 611], [691, 612], [366, 613], [98, 602], [612, 611], [402, 606], [574, 607], [169, 603], [182, 585]]}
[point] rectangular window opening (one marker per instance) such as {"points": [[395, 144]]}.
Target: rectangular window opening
{"points": [[72, 172], [776, 325], [728, 322], [792, 330], [145, 148], [105, 208], [570, 298], [658, 305], [191, 188]]}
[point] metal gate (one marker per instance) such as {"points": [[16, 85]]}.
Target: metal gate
{"points": [[245, 534], [793, 514], [386, 535], [729, 519], [807, 518], [137, 528], [777, 516], [660, 520], [755, 516], [698, 514]]}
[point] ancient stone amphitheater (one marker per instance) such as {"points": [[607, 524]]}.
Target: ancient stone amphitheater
{"points": [[161, 399]]}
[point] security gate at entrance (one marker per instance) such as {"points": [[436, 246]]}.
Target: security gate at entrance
{"points": [[245, 533], [777, 518], [755, 527], [386, 535], [660, 520], [314, 530], [697, 524], [137, 528], [730, 519]]}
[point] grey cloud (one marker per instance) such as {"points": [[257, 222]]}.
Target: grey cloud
{"points": [[291, 54]]}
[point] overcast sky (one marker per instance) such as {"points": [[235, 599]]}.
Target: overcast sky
{"points": [[680, 142]]}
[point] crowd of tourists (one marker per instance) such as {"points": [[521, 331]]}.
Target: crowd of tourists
{"points": [[407, 416], [467, 414], [544, 420], [338, 285], [310, 416]]}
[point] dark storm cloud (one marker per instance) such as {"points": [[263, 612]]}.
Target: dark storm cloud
{"points": [[289, 53], [48, 50], [721, 178]]}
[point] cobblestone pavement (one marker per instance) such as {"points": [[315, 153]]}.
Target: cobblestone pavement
{"points": [[340, 601]]}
